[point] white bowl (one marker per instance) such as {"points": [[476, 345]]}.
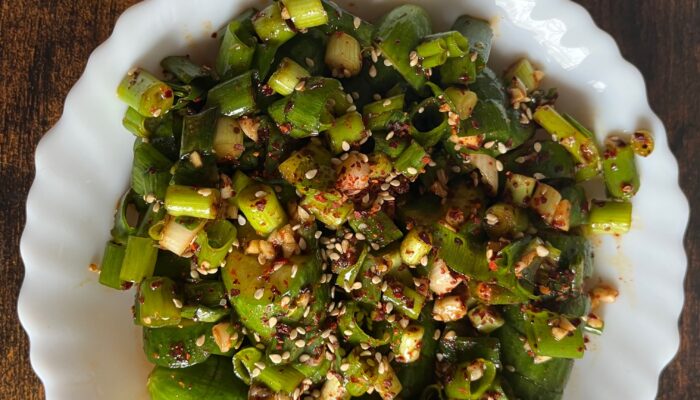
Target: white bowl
{"points": [[83, 342]]}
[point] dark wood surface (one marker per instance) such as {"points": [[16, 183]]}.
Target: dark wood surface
{"points": [[44, 46]]}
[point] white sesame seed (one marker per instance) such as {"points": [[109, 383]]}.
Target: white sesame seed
{"points": [[309, 62], [352, 108], [360, 236], [373, 71], [387, 62], [200, 341], [286, 355], [310, 174], [304, 357], [259, 293], [345, 367], [376, 280], [539, 176], [389, 307], [502, 148], [276, 358], [411, 170], [538, 146], [345, 146], [255, 373], [542, 251], [499, 165], [272, 322], [356, 22]]}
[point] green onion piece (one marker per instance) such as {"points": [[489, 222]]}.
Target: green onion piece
{"points": [[237, 47], [379, 229], [410, 343], [394, 103], [287, 77], [198, 132], [400, 31], [432, 46], [111, 267], [461, 70], [261, 208], [328, 207], [357, 379], [348, 274], [139, 259], [581, 147], [333, 388], [306, 13], [214, 375], [504, 220], [340, 19], [135, 123], [188, 201], [519, 189], [206, 293], [309, 168], [464, 101], [523, 71], [460, 254], [619, 168], [642, 143], [305, 113], [228, 139], [124, 224], [458, 386], [386, 383], [178, 233], [279, 378], [406, 300], [350, 322], [416, 245], [244, 363], [549, 336], [264, 59], [157, 303], [429, 124], [485, 319], [235, 97], [347, 130], [544, 201], [145, 93], [215, 241], [380, 166], [412, 160], [271, 27], [343, 55], [479, 34], [610, 217], [392, 147], [184, 69], [150, 171], [239, 181]]}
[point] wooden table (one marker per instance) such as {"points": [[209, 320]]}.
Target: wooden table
{"points": [[44, 46]]}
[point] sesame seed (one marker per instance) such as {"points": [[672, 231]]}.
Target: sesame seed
{"points": [[309, 62], [489, 144], [376, 280], [502, 148], [345, 367], [390, 135], [196, 159], [259, 293], [360, 236], [499, 166], [204, 192], [352, 108], [272, 322], [373, 71], [200, 341], [276, 358], [260, 193], [347, 333], [345, 146], [304, 357], [387, 103], [538, 146], [255, 373], [542, 251], [356, 22], [411, 170], [491, 219], [293, 335], [389, 307], [387, 62], [178, 303], [310, 174], [538, 176], [357, 286], [286, 355]]}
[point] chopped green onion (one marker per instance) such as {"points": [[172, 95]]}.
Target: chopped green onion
{"points": [[228, 139], [157, 303], [328, 207], [271, 27], [237, 47], [112, 265], [464, 100], [178, 233], [184, 69], [619, 168], [145, 93], [343, 55], [139, 259], [347, 130], [523, 71], [412, 160], [306, 13], [261, 208], [215, 241], [416, 245], [188, 201], [610, 217], [198, 132], [287, 77], [235, 97]]}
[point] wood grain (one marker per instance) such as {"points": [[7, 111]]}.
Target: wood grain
{"points": [[44, 46]]}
